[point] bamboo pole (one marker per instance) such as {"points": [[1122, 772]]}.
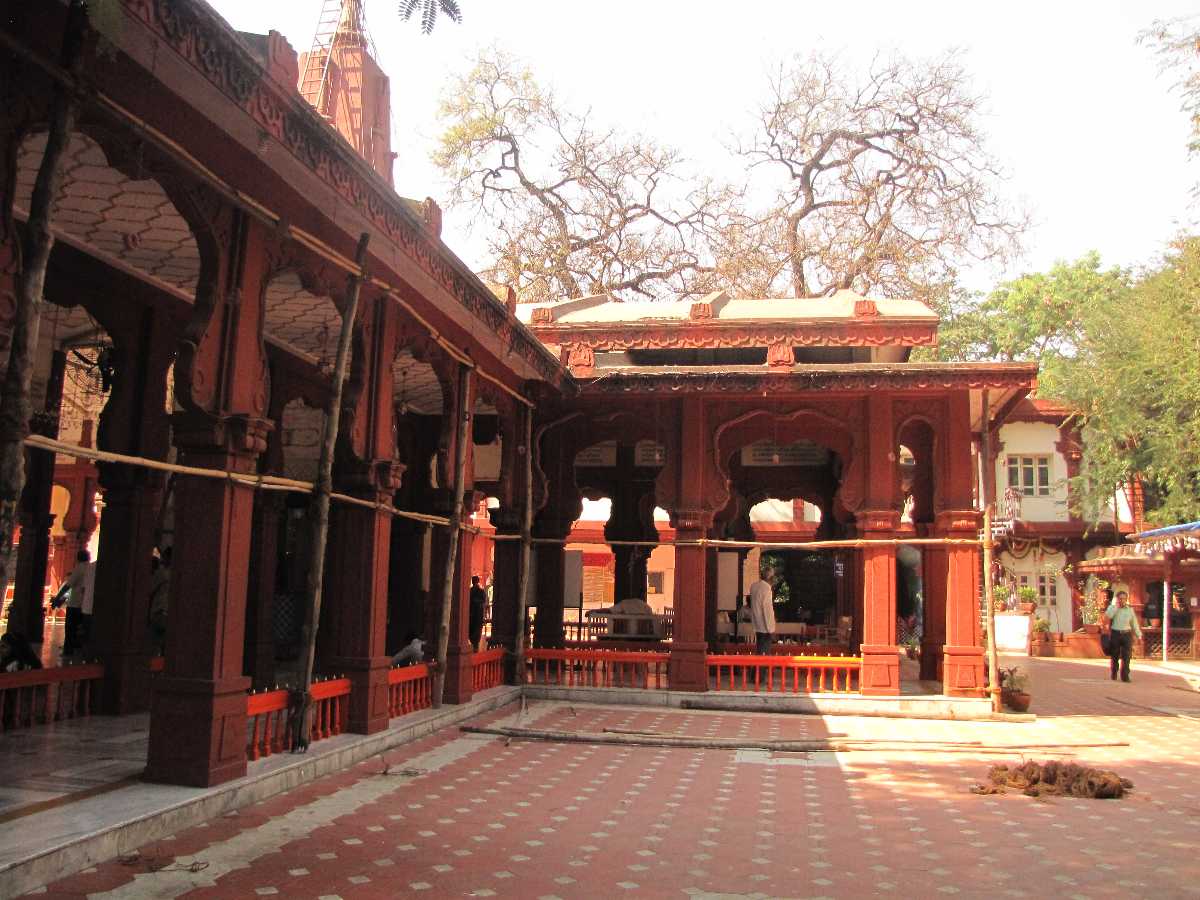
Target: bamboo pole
{"points": [[321, 492], [526, 552], [985, 456], [462, 412], [33, 256]]}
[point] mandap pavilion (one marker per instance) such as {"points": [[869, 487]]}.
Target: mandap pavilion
{"points": [[208, 239]]}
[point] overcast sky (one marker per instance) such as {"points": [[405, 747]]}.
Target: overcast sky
{"points": [[1077, 111]]}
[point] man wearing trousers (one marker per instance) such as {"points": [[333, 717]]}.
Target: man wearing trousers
{"points": [[762, 612], [1123, 627]]}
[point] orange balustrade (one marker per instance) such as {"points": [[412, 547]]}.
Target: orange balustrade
{"points": [[409, 689], [736, 672], [48, 695], [487, 669], [597, 668], [268, 713]]}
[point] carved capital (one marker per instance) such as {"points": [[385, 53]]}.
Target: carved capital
{"points": [[692, 518], [953, 521], [877, 520], [375, 479], [238, 435], [505, 520]]}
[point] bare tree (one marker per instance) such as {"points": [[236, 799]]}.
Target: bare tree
{"points": [[1177, 42], [885, 183], [573, 210]]}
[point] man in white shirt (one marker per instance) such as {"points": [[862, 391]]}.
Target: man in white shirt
{"points": [[1123, 626], [762, 611], [80, 583]]}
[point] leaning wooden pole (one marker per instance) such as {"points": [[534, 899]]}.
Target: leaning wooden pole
{"points": [[985, 500], [320, 502], [462, 412], [35, 247], [526, 554]]}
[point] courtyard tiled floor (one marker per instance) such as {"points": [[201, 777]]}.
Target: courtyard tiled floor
{"points": [[461, 814]]}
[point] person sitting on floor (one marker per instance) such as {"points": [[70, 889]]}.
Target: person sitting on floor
{"points": [[15, 653], [412, 653]]}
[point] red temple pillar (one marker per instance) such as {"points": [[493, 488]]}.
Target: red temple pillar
{"points": [[692, 519], [880, 653], [962, 667], [356, 589], [458, 683], [506, 582], [198, 714], [550, 582]]}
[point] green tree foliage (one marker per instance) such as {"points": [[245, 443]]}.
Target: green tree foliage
{"points": [[1135, 377], [430, 10], [1038, 317], [1177, 42]]}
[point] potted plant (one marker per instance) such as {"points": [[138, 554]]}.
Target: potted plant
{"points": [[1090, 611], [1001, 593], [1026, 599], [1041, 638], [912, 647], [1012, 689]]}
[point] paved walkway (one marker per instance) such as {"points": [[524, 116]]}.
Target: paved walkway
{"points": [[458, 814]]}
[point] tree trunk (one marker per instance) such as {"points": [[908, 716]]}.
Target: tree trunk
{"points": [[463, 412], [15, 409], [321, 492]]}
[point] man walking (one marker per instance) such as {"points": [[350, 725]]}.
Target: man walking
{"points": [[80, 584], [1122, 627], [762, 611]]}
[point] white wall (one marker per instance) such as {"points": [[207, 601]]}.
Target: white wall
{"points": [[1035, 439], [1034, 564]]}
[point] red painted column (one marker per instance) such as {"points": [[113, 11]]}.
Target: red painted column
{"points": [[692, 519], [963, 664], [458, 687], [934, 566], [880, 653], [506, 577], [198, 714], [356, 588], [550, 582]]}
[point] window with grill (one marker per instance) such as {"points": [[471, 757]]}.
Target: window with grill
{"points": [[1029, 475], [1047, 590]]}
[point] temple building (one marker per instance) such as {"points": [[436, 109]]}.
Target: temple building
{"points": [[211, 228]]}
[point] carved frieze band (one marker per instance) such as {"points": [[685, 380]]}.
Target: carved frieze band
{"points": [[196, 35]]}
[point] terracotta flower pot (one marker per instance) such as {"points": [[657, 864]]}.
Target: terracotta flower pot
{"points": [[1017, 701]]}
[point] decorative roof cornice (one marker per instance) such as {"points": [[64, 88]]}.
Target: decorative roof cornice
{"points": [[848, 377], [193, 30]]}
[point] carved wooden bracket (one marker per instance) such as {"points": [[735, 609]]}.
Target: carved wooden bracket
{"points": [[780, 355]]}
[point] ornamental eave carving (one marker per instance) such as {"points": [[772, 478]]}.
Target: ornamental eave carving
{"points": [[798, 379], [216, 53], [710, 333]]}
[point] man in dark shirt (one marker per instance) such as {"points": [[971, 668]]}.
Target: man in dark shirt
{"points": [[478, 604]]}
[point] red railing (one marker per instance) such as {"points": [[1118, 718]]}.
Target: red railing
{"points": [[409, 689], [268, 713], [487, 669], [835, 674], [597, 668], [48, 695]]}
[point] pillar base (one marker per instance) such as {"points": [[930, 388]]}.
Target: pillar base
{"points": [[126, 683], [458, 675], [880, 675], [963, 672], [197, 731], [687, 669], [368, 692], [931, 662]]}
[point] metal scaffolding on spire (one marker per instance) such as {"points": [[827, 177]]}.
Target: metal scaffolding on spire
{"points": [[342, 23]]}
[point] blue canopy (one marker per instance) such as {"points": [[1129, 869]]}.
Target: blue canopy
{"points": [[1166, 532]]}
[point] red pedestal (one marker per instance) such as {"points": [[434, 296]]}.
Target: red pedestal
{"points": [[880, 670], [880, 653], [962, 671], [687, 669], [459, 688]]}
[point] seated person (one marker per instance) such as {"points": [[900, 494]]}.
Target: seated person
{"points": [[412, 653]]}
